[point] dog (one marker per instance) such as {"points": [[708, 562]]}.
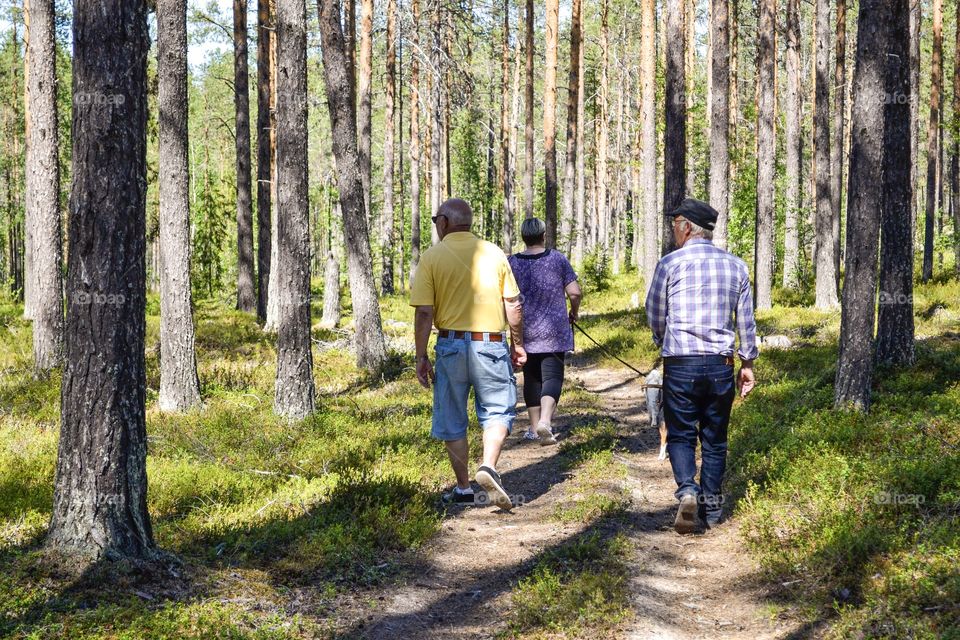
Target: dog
{"points": [[653, 384]]}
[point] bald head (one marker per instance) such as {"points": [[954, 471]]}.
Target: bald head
{"points": [[457, 212]]}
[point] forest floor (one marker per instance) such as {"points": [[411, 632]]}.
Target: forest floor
{"points": [[665, 586]]}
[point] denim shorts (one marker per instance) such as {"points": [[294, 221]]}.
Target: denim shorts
{"points": [[485, 366]]}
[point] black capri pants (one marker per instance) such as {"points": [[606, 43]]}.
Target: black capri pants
{"points": [[542, 376]]}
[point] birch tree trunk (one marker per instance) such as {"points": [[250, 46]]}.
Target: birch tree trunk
{"points": [[370, 344], [100, 491], [294, 386], [42, 187], [179, 386]]}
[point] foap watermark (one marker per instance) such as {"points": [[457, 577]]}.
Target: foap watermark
{"points": [[895, 297], [893, 498], [96, 297], [98, 98]]}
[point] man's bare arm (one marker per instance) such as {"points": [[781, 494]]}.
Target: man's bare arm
{"points": [[514, 309], [422, 324]]}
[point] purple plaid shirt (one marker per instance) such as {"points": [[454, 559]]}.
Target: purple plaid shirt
{"points": [[697, 292]]}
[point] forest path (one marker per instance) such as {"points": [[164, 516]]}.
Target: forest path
{"points": [[681, 587]]}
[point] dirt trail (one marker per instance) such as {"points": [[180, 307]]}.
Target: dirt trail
{"points": [[699, 586]]}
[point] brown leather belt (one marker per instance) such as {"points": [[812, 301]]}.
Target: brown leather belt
{"points": [[471, 335]]}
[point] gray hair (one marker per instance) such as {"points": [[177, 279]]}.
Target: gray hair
{"points": [[533, 231], [457, 212], [696, 231]]}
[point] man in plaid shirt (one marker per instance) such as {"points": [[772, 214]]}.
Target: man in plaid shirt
{"points": [[699, 300]]}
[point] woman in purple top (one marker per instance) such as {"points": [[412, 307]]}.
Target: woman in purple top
{"points": [[544, 277]]}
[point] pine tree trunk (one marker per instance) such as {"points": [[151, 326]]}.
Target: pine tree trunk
{"points": [[294, 389], [415, 142], [179, 386], [955, 174], [824, 265], [100, 491], [506, 157], [386, 286], [791, 252], [42, 178], [528, 159], [689, 60], [864, 204], [436, 114], [895, 330], [675, 121], [933, 126], [246, 299], [914, 106], [573, 125], [365, 85], [370, 344], [720, 114], [273, 308], [839, 134], [550, 120], [766, 153], [581, 194], [264, 162], [602, 210], [331, 276]]}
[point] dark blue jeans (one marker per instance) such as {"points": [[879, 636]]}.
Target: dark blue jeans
{"points": [[698, 396]]}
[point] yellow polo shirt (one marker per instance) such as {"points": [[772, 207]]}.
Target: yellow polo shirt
{"points": [[465, 280]]}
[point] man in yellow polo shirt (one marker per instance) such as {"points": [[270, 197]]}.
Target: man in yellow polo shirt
{"points": [[465, 286]]}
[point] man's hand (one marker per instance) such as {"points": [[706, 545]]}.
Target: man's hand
{"points": [[747, 381], [425, 372], [518, 355]]}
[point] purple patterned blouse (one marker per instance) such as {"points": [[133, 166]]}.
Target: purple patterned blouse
{"points": [[542, 278]]}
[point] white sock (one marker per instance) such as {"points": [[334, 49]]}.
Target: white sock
{"points": [[463, 491]]}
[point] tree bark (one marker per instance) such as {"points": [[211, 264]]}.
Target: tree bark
{"points": [[766, 153], [365, 84], [720, 116], [386, 286], [914, 106], [246, 299], [370, 345], [264, 161], [550, 120], [506, 169], [895, 329], [100, 491], [824, 264], [648, 136], [179, 386], [415, 142], [581, 195], [955, 178], [864, 204], [791, 252], [573, 125], [331, 276], [933, 125], [294, 388], [273, 308], [528, 159], [436, 113], [42, 178], [675, 120], [839, 134], [602, 211]]}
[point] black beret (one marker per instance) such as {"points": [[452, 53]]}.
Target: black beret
{"points": [[697, 212]]}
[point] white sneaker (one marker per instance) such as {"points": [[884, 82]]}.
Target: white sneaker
{"points": [[545, 434], [530, 435]]}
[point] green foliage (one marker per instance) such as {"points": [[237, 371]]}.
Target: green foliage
{"points": [[210, 219], [595, 272]]}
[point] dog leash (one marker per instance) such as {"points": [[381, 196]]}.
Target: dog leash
{"points": [[617, 358]]}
